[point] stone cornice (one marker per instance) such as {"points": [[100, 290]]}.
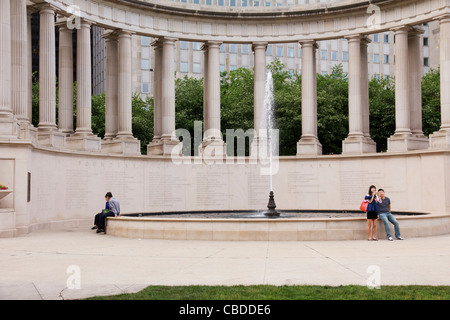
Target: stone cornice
{"points": [[248, 26]]}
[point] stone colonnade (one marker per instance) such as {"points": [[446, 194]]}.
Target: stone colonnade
{"points": [[15, 97]]}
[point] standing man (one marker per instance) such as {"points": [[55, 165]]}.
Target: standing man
{"points": [[114, 211], [386, 215]]}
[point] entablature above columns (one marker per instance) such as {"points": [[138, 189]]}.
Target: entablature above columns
{"points": [[252, 25]]}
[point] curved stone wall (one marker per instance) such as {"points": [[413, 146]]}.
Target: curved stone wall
{"points": [[68, 187]]}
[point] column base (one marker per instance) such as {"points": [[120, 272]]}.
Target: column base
{"points": [[440, 139], [28, 132], [162, 147], [82, 142], [9, 127], [309, 146], [122, 145], [404, 143], [358, 145], [51, 138], [213, 149]]}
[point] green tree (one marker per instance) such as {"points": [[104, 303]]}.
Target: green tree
{"points": [[332, 110], [382, 110], [431, 101]]}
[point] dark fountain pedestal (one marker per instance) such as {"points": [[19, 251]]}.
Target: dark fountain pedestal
{"points": [[272, 213]]}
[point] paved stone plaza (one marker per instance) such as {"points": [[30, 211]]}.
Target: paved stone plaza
{"points": [[35, 266]]}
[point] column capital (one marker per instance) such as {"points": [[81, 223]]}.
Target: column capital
{"points": [[167, 40], [445, 18], [110, 35], [365, 40], [309, 43], [416, 32], [259, 45], [124, 33], [402, 29], [46, 8], [211, 44]]}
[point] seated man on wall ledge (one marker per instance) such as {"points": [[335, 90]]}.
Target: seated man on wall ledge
{"points": [[114, 211], [386, 216]]}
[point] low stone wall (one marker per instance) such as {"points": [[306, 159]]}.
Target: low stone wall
{"points": [[269, 229]]}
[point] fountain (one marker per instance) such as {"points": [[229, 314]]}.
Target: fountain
{"points": [[269, 119]]}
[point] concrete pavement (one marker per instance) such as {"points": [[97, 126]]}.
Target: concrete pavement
{"points": [[78, 263]]}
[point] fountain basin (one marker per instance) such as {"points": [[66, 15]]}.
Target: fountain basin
{"points": [[251, 226]]}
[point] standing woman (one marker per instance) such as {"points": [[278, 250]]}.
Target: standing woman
{"points": [[372, 212]]}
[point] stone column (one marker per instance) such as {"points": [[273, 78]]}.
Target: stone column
{"points": [[403, 140], [415, 80], [212, 140], [124, 142], [8, 124], [309, 142], [259, 86], [168, 140], [441, 138], [357, 140], [65, 81], [155, 146], [83, 139], [30, 64], [47, 131], [112, 87], [365, 87], [19, 59]]}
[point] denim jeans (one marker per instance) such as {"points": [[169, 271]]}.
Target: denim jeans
{"points": [[387, 216]]}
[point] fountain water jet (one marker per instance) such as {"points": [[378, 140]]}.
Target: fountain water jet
{"points": [[269, 119]]}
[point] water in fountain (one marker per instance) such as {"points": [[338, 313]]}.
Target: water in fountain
{"points": [[269, 119]]}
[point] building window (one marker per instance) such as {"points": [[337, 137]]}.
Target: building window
{"points": [[334, 55], [222, 68], [376, 58], [232, 3], [269, 50], [183, 44], [323, 54], [208, 2], [425, 42], [145, 41], [145, 87], [279, 51], [386, 59], [196, 1], [426, 62], [300, 53], [244, 48], [222, 48], [244, 3], [256, 3], [376, 37], [145, 64], [220, 3], [232, 48], [344, 56], [184, 67], [386, 38], [197, 45], [290, 52], [197, 68], [233, 67]]}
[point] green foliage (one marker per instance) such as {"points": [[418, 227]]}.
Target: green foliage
{"points": [[332, 110], [431, 101], [382, 110], [142, 120]]}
